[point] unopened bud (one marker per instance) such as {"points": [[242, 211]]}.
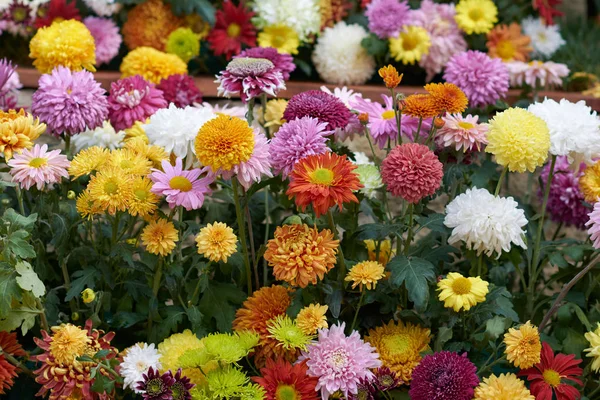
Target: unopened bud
{"points": [[5, 202], [439, 123], [70, 195], [75, 316], [401, 104], [292, 220], [88, 296], [363, 118]]}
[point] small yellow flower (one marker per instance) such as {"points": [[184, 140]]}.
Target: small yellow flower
{"points": [[184, 43], [86, 206], [385, 251], [88, 296], [412, 43], [594, 350], [366, 273], [153, 65], [89, 161], [312, 318], [503, 387], [143, 202], [460, 293], [159, 237], [589, 183], [217, 242], [390, 76], [274, 114], [155, 154], [523, 346], [18, 131], [130, 162], [476, 16], [111, 189], [282, 37]]}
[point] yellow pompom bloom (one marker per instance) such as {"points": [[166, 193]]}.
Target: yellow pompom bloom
{"points": [[385, 251], [111, 189], [159, 237], [412, 43], [217, 242], [68, 343], [274, 114], [176, 345], [151, 64], [68, 43], [224, 142], [589, 183], [88, 161], [460, 293], [594, 350], [503, 387], [476, 16], [86, 206], [143, 202], [519, 140], [130, 162], [523, 346], [88, 296], [184, 43], [149, 24], [312, 318], [366, 273], [18, 130], [281, 37]]}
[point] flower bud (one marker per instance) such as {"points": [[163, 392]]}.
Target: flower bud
{"points": [[70, 195], [438, 123], [363, 118], [292, 220], [88, 296], [75, 316]]}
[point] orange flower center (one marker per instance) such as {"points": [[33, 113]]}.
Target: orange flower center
{"points": [[38, 162], [389, 114], [551, 377], [475, 14], [322, 176], [234, 30], [461, 285], [466, 125], [286, 392], [180, 183], [506, 50]]}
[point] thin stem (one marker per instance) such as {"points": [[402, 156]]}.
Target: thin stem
{"points": [[115, 228], [409, 237], [267, 227], [499, 185], [360, 301], [242, 231], [251, 239], [398, 114], [431, 133], [68, 146], [180, 244], [375, 159], [67, 280], [480, 265], [20, 199], [263, 102], [416, 138], [11, 359], [43, 319], [342, 270], [155, 288], [557, 231], [250, 112]]}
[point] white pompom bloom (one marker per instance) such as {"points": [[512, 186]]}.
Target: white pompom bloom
{"points": [[104, 8], [486, 223], [103, 136], [304, 16], [137, 361], [545, 39], [339, 56], [574, 129], [370, 178]]}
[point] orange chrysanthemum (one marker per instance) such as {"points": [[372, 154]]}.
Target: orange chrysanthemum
{"points": [[150, 24], [448, 97], [508, 43], [323, 180], [300, 254], [9, 345], [420, 106], [390, 76], [333, 11]]}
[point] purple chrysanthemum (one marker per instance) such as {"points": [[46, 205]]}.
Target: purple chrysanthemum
{"points": [[9, 84], [249, 78], [386, 17], [386, 379], [366, 390], [69, 102], [320, 105], [180, 389], [444, 376], [295, 140], [156, 386], [106, 36], [258, 165], [180, 90], [483, 79], [133, 99], [282, 62]]}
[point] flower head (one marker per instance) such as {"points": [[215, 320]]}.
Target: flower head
{"points": [[184, 43], [38, 167], [589, 183], [232, 29], [259, 164], [382, 248], [386, 379], [545, 39], [593, 337], [282, 380], [136, 362], [154, 386], [103, 8], [249, 78], [111, 189], [365, 390], [55, 11], [462, 132], [366, 273], [381, 120], [9, 85], [523, 345], [536, 73], [390, 76], [320, 105], [159, 237], [387, 17], [106, 37], [302, 15], [151, 64], [547, 10], [410, 45], [274, 115], [104, 136], [138, 32], [133, 99], [174, 347], [594, 225], [369, 178], [9, 345], [476, 16], [281, 62], [217, 242], [503, 387], [143, 202], [420, 106], [89, 161], [447, 97], [460, 293], [180, 90], [287, 334], [508, 43], [281, 37], [312, 318], [18, 131]]}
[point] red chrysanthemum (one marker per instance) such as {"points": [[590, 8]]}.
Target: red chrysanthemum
{"points": [[547, 9], [9, 345], [282, 380], [180, 90], [551, 375], [56, 9], [412, 171], [232, 29], [320, 105], [323, 180]]}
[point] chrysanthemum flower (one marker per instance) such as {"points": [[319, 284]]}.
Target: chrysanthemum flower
{"points": [[106, 38], [476, 16], [312, 318], [503, 387], [410, 45], [86, 206], [232, 30], [589, 183], [545, 39], [273, 117], [289, 337], [130, 162], [370, 179], [593, 337], [143, 202], [249, 78], [366, 273], [594, 225], [320, 105], [50, 11], [9, 345], [386, 379], [175, 346], [300, 254], [9, 85], [88, 161], [18, 131], [103, 8], [281, 62], [38, 167], [153, 65], [111, 189], [462, 132], [138, 359], [508, 43], [154, 386], [217, 242], [547, 10], [537, 74], [184, 43], [387, 17], [302, 15], [281, 37], [400, 346], [386, 252], [133, 99], [138, 32], [382, 120], [259, 164], [160, 237], [460, 293], [447, 97], [104, 136], [282, 380], [420, 106], [365, 390], [390, 76], [181, 90], [523, 346], [333, 11]]}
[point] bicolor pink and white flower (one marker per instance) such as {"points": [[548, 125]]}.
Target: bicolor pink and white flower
{"points": [[250, 78], [537, 73], [38, 167], [181, 187], [133, 99], [462, 132]]}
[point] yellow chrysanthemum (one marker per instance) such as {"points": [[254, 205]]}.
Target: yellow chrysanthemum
{"points": [[198, 25], [68, 43], [400, 346], [174, 347], [224, 142], [149, 24], [476, 16], [385, 251], [154, 154], [86, 206], [523, 346], [130, 162], [68, 343], [460, 293], [89, 161], [151, 64], [143, 202], [282, 37], [18, 130], [390, 76], [274, 114], [503, 387], [111, 189], [312, 318], [217, 242], [590, 183], [136, 131], [412, 43], [594, 350], [159, 237], [366, 273], [519, 140], [184, 43]]}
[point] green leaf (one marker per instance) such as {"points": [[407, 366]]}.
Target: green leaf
{"points": [[558, 260], [203, 7], [17, 243], [582, 317], [169, 323], [195, 317], [415, 273], [378, 231], [125, 319], [497, 326], [374, 45], [444, 334], [103, 384], [484, 174], [9, 290], [29, 280], [22, 314], [101, 354], [333, 299], [218, 302], [574, 343], [85, 278], [19, 221], [433, 222]]}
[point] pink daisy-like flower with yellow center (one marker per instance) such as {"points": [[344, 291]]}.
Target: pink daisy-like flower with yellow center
{"points": [[462, 132], [38, 167]]}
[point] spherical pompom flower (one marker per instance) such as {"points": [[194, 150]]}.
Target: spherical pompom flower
{"points": [[312, 318], [281, 61], [38, 167], [250, 78], [149, 24], [339, 57], [217, 242], [594, 225], [67, 43], [232, 29], [545, 39], [476, 16], [367, 274], [69, 102], [412, 171], [18, 131], [184, 43], [173, 347], [281, 379], [503, 387], [151, 64], [411, 44], [483, 79], [281, 37], [320, 105], [460, 293], [523, 346], [106, 37], [447, 97], [462, 132], [138, 359], [387, 17], [370, 178], [133, 99], [181, 90], [519, 139], [593, 337], [160, 237]]}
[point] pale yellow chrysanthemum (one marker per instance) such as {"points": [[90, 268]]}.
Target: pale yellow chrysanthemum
{"points": [[130, 162], [589, 183], [160, 237], [89, 161], [111, 189], [594, 350], [476, 16], [136, 131], [68, 343], [86, 206], [412, 44], [143, 202], [151, 64], [281, 37], [217, 242], [274, 114], [18, 131], [385, 251], [460, 293], [155, 154], [174, 347], [366, 273], [523, 346], [503, 387], [312, 318]]}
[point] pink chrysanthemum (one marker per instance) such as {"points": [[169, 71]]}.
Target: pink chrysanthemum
{"points": [[412, 171], [320, 105], [444, 376], [295, 140], [133, 99], [483, 79], [249, 78], [537, 73], [386, 17], [182, 188], [180, 90], [354, 127], [9, 84], [38, 167], [106, 36], [594, 225], [282, 62], [258, 165], [339, 361], [69, 102], [462, 132]]}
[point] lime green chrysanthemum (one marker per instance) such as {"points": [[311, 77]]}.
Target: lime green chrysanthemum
{"points": [[253, 392], [184, 43], [225, 348], [226, 383], [287, 333]]}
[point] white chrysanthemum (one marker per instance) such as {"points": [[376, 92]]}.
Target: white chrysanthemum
{"points": [[370, 178], [175, 129], [574, 129], [104, 8], [361, 158], [4, 4], [545, 39], [138, 360], [339, 56], [486, 223], [103, 136], [304, 16]]}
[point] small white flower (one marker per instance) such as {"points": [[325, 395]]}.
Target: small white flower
{"points": [[103, 136], [361, 158], [545, 39], [370, 178], [104, 8], [138, 360], [304, 16], [486, 223]]}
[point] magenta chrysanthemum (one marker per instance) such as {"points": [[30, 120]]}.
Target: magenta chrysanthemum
{"points": [[444, 376], [69, 102], [594, 225], [412, 171], [295, 140], [180, 90], [38, 167], [181, 188], [462, 132], [9, 84], [386, 17], [282, 62], [249, 78], [107, 37], [133, 99], [320, 105], [339, 361], [483, 79], [259, 164], [354, 127]]}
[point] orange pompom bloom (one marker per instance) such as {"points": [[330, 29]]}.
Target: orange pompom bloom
{"points": [[300, 254], [448, 97], [9, 345], [508, 43], [150, 24], [323, 180], [420, 106]]}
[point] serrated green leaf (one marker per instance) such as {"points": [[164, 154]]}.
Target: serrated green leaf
{"points": [[17, 243], [19, 221], [496, 326], [9, 290], [433, 222], [378, 231], [22, 314], [415, 273], [218, 302], [443, 335], [85, 278], [29, 280], [195, 317]]}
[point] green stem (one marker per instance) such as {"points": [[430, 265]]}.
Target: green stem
{"points": [[267, 227], [360, 301], [242, 231], [375, 159], [480, 265], [180, 244], [43, 319], [68, 146], [431, 133], [398, 114], [499, 185], [115, 228], [67, 279], [557, 231], [263, 102], [416, 138], [251, 239], [20, 199], [409, 237], [155, 288], [342, 270], [250, 112]]}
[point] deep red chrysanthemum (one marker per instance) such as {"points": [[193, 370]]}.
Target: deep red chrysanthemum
{"points": [[282, 380], [56, 9], [547, 9], [180, 90], [320, 105], [232, 29], [9, 345], [19, 12], [551, 375]]}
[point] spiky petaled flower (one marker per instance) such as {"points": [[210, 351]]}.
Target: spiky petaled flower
{"points": [[545, 39], [508, 43], [137, 361], [366, 390], [151, 64], [366, 273], [220, 348], [589, 183], [66, 43], [289, 337], [448, 97], [390, 76], [232, 29], [89, 161], [138, 32], [38, 167], [548, 10], [476, 16], [143, 202], [537, 74], [184, 43], [594, 225], [420, 106], [503, 387], [160, 237], [411, 44], [111, 189], [106, 37], [381, 119], [154, 386], [323, 180], [281, 37], [250, 78], [465, 133], [87, 207], [18, 131], [282, 380], [282, 62], [174, 347], [400, 346], [180, 389], [386, 379], [217, 242], [181, 90], [354, 126], [593, 337], [320, 105], [312, 318], [9, 345], [523, 346], [462, 293], [55, 11], [133, 99], [9, 85], [380, 251], [387, 17]]}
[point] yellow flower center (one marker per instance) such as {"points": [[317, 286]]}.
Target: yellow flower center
{"points": [[278, 40], [141, 366], [475, 14], [180, 183], [127, 164], [111, 187], [141, 194], [541, 37], [505, 50], [396, 344], [286, 392], [551, 377], [38, 162], [410, 42], [234, 30], [389, 114], [466, 125], [322, 176], [461, 285]]}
